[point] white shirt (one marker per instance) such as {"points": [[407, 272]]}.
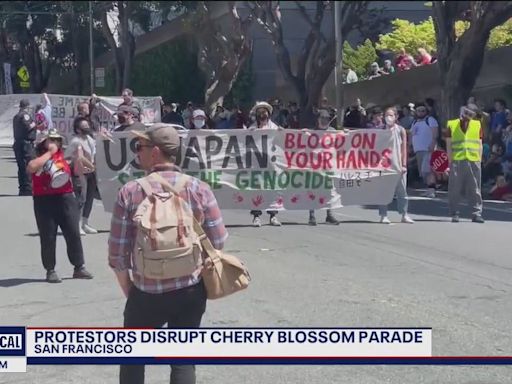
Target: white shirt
{"points": [[351, 77], [422, 135], [88, 145]]}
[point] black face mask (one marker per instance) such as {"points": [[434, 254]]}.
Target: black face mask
{"points": [[122, 119], [261, 116]]}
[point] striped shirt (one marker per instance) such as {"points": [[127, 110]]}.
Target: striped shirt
{"points": [[123, 229]]}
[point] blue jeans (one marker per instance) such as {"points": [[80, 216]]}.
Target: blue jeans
{"points": [[402, 200]]}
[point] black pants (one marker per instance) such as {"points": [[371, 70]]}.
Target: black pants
{"points": [[182, 308], [85, 206], [55, 211], [23, 152]]}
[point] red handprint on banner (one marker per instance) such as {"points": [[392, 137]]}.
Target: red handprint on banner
{"points": [[257, 201], [295, 199], [321, 200], [238, 197], [311, 196]]}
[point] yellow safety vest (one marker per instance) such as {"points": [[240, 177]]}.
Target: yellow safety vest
{"points": [[465, 146]]}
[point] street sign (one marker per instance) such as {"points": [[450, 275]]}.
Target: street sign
{"points": [[99, 74]]}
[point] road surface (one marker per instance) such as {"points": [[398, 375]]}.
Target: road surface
{"points": [[455, 278]]}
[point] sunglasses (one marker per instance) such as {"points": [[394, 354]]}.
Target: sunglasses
{"points": [[139, 146]]}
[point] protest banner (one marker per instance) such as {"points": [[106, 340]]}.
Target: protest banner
{"points": [[271, 169], [64, 111]]}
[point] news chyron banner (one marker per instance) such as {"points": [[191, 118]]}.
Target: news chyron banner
{"points": [[112, 346], [271, 169]]}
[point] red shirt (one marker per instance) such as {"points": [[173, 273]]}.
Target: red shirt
{"points": [[41, 183]]}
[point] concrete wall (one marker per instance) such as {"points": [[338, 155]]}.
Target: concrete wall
{"points": [[396, 89]]}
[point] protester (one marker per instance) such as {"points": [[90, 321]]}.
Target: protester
{"points": [[129, 101], [24, 134], [82, 151], [351, 77], [388, 68], [171, 115], [43, 116], [221, 118], [199, 119], [402, 199], [375, 71], [407, 116], [180, 302], [377, 119], [294, 115], [126, 118], [498, 119], [423, 57], [262, 111], [55, 205], [502, 190], [323, 124], [187, 115], [464, 146], [424, 132]]}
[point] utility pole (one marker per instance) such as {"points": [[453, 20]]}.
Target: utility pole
{"points": [[91, 48], [338, 70]]}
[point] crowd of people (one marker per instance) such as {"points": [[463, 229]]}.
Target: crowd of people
{"points": [[402, 62]]}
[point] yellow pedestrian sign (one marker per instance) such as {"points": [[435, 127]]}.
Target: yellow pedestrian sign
{"points": [[24, 77]]}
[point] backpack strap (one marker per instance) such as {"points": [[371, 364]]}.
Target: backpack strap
{"points": [[145, 185]]}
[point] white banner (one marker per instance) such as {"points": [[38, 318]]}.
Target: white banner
{"points": [[271, 169], [64, 111]]}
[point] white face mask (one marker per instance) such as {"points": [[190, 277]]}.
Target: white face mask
{"points": [[390, 120], [199, 124]]}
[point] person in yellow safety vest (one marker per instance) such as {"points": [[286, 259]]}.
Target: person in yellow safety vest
{"points": [[463, 138]]}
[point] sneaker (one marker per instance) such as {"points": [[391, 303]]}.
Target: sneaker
{"points": [[330, 219], [256, 222], [455, 219], [478, 219], [88, 229], [82, 273], [385, 220], [406, 219], [274, 222], [312, 221], [430, 194], [82, 232], [52, 277]]}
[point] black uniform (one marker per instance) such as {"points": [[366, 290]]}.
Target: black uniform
{"points": [[24, 137]]}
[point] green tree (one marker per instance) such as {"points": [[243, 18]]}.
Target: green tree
{"points": [[412, 36], [359, 59], [171, 71]]}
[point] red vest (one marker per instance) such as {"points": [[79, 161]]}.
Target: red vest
{"points": [[41, 183]]}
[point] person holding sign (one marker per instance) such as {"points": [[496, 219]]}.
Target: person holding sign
{"points": [[55, 205], [464, 146], [323, 124], [262, 111], [390, 118]]}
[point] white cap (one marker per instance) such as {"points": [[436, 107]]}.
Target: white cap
{"points": [[198, 113]]}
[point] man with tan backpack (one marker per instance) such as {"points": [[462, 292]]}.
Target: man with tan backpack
{"points": [[152, 233]]}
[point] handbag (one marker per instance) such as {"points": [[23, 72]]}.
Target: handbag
{"points": [[223, 274]]}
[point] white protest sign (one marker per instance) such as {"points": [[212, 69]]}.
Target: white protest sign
{"points": [[64, 111], [271, 169]]}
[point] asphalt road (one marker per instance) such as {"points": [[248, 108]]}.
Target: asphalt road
{"points": [[455, 278]]}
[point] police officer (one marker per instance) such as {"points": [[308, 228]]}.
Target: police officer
{"points": [[463, 138], [24, 133]]}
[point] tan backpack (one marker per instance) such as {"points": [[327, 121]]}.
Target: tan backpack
{"points": [[166, 244]]}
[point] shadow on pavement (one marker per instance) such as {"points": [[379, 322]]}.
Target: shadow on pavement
{"points": [[439, 208], [5, 195], [6, 283]]}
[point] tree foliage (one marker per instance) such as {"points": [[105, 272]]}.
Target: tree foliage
{"points": [[360, 58], [410, 36]]}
